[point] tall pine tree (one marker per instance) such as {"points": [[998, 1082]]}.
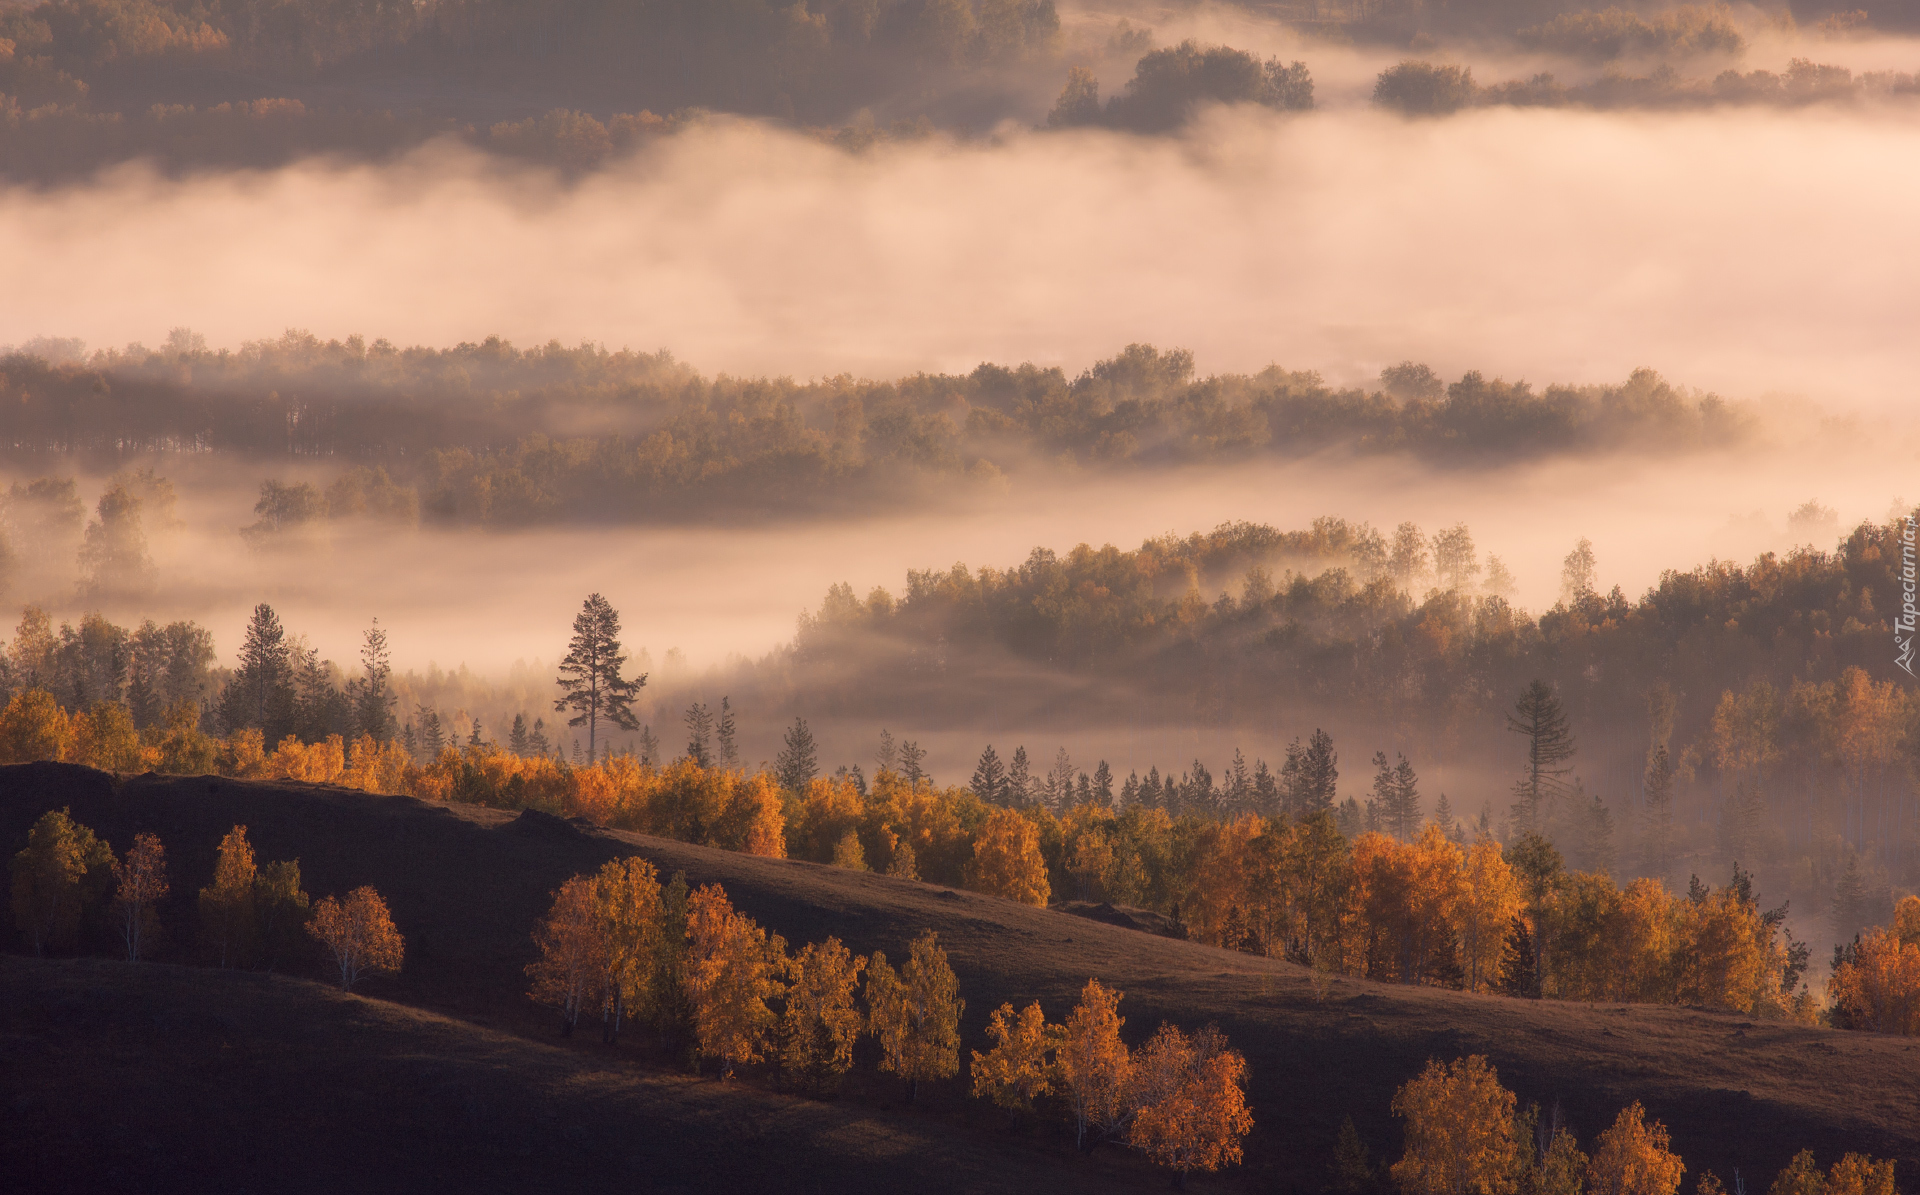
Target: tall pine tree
{"points": [[590, 673], [799, 760], [1538, 717], [260, 694], [990, 778]]}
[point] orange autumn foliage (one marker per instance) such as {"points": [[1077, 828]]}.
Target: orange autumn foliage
{"points": [[360, 934], [1191, 1099], [1459, 1131], [733, 969]]}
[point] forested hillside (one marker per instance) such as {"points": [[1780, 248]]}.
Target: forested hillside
{"points": [[493, 435]]}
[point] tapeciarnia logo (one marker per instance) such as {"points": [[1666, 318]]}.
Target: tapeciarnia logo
{"points": [[1904, 625]]}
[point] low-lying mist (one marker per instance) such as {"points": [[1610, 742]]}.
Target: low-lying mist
{"points": [[709, 592], [1740, 250]]}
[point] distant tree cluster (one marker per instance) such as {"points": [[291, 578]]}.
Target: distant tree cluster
{"points": [[1170, 86], [1420, 88], [1467, 1135], [84, 83], [69, 891], [621, 946], [462, 435], [1179, 1099]]}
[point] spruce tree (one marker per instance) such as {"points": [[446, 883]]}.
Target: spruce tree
{"points": [[911, 757], [1656, 835], [517, 735], [1238, 784], [432, 738], [537, 741], [989, 781], [1539, 717], [373, 696], [1019, 788], [729, 747], [888, 755], [1103, 783], [699, 723], [1396, 797], [1319, 774], [590, 673], [799, 761], [649, 747], [260, 694]]}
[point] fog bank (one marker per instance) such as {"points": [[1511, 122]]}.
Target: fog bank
{"points": [[1747, 251]]}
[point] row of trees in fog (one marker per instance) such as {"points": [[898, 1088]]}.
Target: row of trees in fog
{"points": [[1420, 88], [457, 435], [1690, 756], [1491, 917]]}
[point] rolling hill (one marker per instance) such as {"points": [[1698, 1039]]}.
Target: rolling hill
{"points": [[466, 883]]}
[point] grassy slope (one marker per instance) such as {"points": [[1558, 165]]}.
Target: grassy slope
{"points": [[465, 885]]}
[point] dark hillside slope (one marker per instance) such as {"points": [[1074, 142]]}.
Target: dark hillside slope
{"points": [[163, 1078], [465, 885]]}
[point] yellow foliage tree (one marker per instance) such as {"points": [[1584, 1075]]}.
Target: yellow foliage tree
{"points": [[915, 1014], [1489, 901], [1857, 1174], [1877, 988], [1459, 1131], [820, 1023], [1007, 860], [1018, 1069], [1906, 921], [733, 968], [1632, 1158], [360, 933], [226, 905], [822, 817], [570, 974], [142, 883], [104, 737], [627, 921], [1801, 1177], [1095, 1065], [34, 727], [1191, 1107], [183, 750], [280, 912], [63, 870], [1725, 952]]}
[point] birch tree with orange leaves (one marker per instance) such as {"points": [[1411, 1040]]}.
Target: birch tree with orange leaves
{"points": [[1489, 901], [627, 923], [360, 934], [1459, 1131], [915, 1013], [142, 884], [1632, 1158], [733, 969], [1007, 860], [572, 968], [1191, 1099], [1019, 1068], [226, 905], [1876, 985], [820, 1023], [1096, 1067]]}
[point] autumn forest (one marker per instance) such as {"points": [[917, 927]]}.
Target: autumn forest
{"points": [[1296, 596]]}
